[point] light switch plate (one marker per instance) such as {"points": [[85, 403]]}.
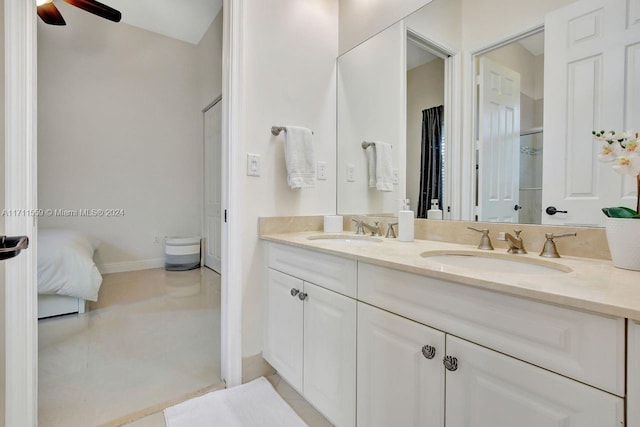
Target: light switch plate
{"points": [[351, 173], [254, 163], [395, 177], [322, 171]]}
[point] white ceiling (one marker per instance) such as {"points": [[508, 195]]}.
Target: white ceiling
{"points": [[186, 20], [417, 56], [534, 44]]}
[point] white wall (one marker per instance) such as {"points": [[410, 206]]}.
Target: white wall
{"points": [[2, 297], [486, 21], [288, 77], [120, 126], [361, 19], [209, 56], [425, 89]]}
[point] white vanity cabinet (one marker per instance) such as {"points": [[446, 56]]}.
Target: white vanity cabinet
{"points": [[310, 331], [490, 389], [400, 372], [633, 374]]}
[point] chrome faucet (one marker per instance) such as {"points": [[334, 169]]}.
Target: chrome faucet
{"points": [[516, 244], [485, 240], [359, 225], [391, 233], [550, 250], [374, 229]]}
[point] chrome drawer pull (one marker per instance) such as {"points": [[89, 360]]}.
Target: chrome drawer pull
{"points": [[451, 363], [429, 352]]}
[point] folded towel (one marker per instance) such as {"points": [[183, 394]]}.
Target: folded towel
{"points": [[370, 152], [384, 167], [300, 157]]}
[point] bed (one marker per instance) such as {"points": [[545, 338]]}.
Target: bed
{"points": [[67, 275]]}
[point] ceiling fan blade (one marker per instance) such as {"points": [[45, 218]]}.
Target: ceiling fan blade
{"points": [[50, 14], [97, 8]]}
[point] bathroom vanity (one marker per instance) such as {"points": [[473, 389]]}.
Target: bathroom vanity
{"points": [[376, 333]]}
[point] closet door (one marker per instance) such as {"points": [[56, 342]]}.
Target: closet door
{"points": [[490, 389], [400, 372]]}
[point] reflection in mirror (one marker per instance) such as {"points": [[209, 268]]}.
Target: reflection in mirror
{"points": [[387, 87], [426, 146], [509, 116]]}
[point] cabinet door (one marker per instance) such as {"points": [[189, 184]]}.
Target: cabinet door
{"points": [[633, 374], [491, 389], [397, 384], [283, 335], [330, 354]]}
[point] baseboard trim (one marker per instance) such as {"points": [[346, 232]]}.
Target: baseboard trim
{"points": [[120, 267]]}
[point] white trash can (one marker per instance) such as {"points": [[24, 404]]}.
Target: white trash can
{"points": [[182, 253]]}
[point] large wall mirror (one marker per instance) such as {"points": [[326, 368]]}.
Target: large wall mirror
{"points": [[531, 99]]}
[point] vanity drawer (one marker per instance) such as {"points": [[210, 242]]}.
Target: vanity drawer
{"points": [[331, 272], [584, 346]]}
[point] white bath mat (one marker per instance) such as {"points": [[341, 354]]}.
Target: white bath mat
{"points": [[252, 404]]}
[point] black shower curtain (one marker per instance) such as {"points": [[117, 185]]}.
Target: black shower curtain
{"points": [[431, 159]]}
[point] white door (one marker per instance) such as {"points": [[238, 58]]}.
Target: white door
{"points": [[592, 82], [499, 143], [397, 384], [284, 327], [213, 186], [330, 354], [491, 389]]}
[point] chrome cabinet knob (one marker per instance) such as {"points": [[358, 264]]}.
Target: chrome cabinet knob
{"points": [[451, 363], [302, 296], [429, 351], [294, 292]]}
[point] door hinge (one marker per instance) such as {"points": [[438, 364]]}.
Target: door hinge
{"points": [[225, 215]]}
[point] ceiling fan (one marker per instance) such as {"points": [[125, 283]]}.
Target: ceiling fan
{"points": [[50, 14]]}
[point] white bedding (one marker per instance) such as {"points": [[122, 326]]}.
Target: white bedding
{"points": [[65, 264]]}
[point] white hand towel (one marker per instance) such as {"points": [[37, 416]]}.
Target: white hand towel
{"points": [[370, 152], [300, 157], [384, 167]]}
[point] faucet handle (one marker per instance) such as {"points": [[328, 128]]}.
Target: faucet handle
{"points": [[359, 225], [485, 240], [549, 250], [517, 233], [391, 233]]}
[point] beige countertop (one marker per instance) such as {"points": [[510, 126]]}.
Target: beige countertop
{"points": [[593, 285]]}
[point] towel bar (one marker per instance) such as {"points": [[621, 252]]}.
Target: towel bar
{"points": [[276, 130], [366, 145]]}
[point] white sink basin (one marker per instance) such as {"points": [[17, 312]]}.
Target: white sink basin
{"points": [[495, 262], [346, 239]]}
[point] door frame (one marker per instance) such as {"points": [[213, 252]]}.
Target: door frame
{"points": [[470, 114], [21, 329], [21, 309]]}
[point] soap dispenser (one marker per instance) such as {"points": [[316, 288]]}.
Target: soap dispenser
{"points": [[405, 222], [435, 212]]}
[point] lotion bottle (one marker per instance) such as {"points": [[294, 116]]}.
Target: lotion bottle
{"points": [[405, 222], [435, 212]]}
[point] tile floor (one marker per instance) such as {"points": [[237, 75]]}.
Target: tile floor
{"points": [[153, 336]]}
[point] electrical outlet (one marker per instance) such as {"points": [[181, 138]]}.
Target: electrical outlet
{"points": [[351, 173], [322, 171], [395, 176], [253, 164]]}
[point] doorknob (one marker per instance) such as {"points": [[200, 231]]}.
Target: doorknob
{"points": [[552, 210], [517, 208], [11, 246]]}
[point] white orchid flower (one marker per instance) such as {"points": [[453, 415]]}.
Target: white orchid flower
{"points": [[608, 153], [628, 165], [632, 147]]}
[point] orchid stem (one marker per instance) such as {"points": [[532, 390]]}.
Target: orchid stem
{"points": [[638, 199]]}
